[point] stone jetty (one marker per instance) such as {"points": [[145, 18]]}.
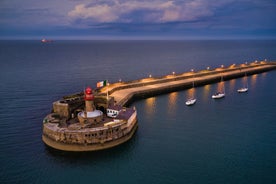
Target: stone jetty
{"points": [[125, 92]]}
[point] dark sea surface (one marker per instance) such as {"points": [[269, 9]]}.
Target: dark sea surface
{"points": [[232, 140]]}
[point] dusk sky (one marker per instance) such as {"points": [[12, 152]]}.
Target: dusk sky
{"points": [[160, 19]]}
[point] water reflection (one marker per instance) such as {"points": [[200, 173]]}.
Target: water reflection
{"points": [[232, 84], [253, 81], [191, 93], [172, 102], [206, 92], [220, 87], [150, 106]]}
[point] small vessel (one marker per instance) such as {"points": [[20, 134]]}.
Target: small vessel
{"points": [[218, 95], [46, 41], [245, 88], [191, 101], [242, 90]]}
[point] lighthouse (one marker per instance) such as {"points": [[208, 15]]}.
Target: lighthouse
{"points": [[90, 115], [89, 100]]}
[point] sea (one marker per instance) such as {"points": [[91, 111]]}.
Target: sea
{"points": [[231, 140]]}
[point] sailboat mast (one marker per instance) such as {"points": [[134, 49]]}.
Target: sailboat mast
{"points": [[222, 84], [107, 84]]}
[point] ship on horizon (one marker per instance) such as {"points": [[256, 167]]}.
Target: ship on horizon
{"points": [[46, 40]]}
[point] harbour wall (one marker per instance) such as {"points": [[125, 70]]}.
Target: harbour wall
{"points": [[86, 140], [125, 93]]}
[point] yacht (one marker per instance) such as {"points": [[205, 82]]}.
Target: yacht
{"points": [[242, 90], [245, 88], [218, 95], [191, 102]]}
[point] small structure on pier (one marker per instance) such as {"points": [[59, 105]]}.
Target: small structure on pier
{"points": [[90, 114]]}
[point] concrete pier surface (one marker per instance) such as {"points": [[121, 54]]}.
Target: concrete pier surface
{"points": [[125, 92]]}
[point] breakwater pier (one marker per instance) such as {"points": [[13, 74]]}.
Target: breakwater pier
{"points": [[125, 92], [99, 119]]}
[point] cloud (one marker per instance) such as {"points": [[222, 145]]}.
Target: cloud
{"points": [[156, 11]]}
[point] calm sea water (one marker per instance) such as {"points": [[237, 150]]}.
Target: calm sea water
{"points": [[232, 140]]}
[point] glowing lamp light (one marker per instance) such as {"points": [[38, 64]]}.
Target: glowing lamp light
{"points": [[233, 66], [192, 70], [88, 90], [150, 75], [173, 73], [208, 68]]}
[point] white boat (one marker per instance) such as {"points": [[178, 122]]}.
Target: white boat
{"points": [[218, 95], [191, 102], [242, 90], [46, 41], [245, 88]]}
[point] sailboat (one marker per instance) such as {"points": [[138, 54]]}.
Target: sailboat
{"points": [[245, 88], [192, 100], [219, 94], [242, 90]]}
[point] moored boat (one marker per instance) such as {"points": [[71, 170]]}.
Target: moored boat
{"points": [[218, 95], [242, 90], [190, 102]]}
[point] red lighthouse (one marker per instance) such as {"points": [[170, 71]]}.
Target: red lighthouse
{"points": [[89, 98], [90, 114]]}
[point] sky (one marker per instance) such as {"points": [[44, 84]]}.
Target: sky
{"points": [[128, 19]]}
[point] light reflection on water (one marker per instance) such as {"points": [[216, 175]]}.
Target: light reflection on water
{"points": [[232, 85], [150, 106], [172, 105], [220, 87], [253, 80], [206, 92], [191, 93]]}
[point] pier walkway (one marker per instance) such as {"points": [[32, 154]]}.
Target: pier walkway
{"points": [[125, 92]]}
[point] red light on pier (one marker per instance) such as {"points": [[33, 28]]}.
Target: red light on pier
{"points": [[88, 94]]}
